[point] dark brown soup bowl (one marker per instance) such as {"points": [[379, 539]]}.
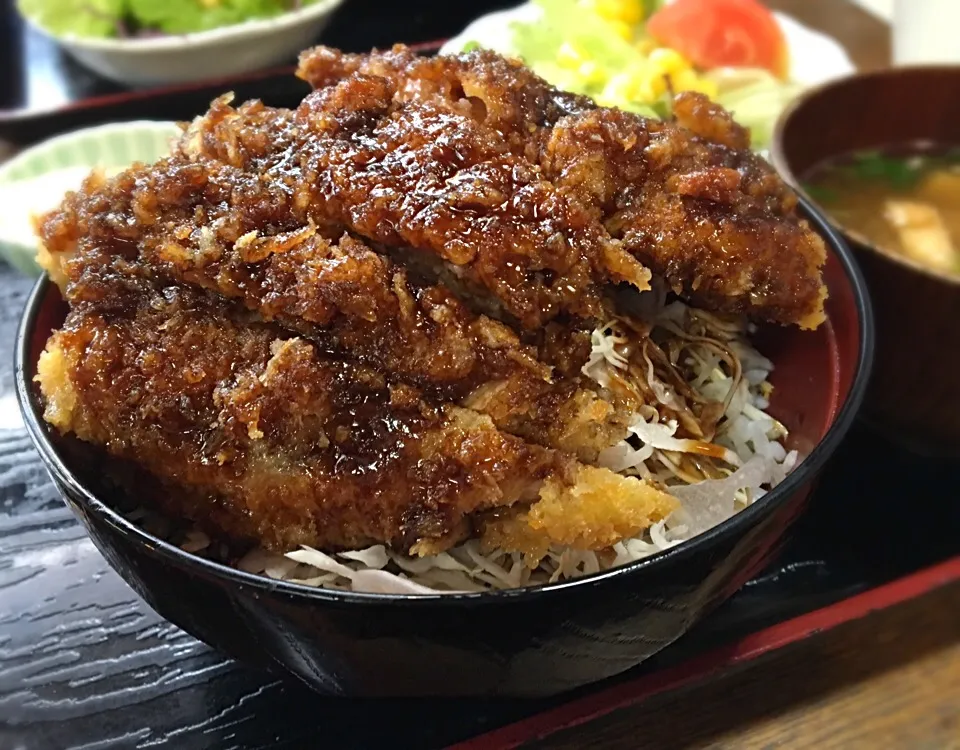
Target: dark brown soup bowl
{"points": [[913, 397], [535, 641]]}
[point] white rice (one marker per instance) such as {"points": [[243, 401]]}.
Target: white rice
{"points": [[755, 453]]}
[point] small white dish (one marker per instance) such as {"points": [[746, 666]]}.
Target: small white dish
{"points": [[35, 180], [815, 58], [203, 55]]}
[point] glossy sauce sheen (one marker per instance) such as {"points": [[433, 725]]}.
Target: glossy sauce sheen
{"points": [[258, 435], [691, 203]]}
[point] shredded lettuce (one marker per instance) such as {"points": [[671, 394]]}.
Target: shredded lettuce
{"points": [[537, 44], [538, 41], [755, 97], [95, 18], [183, 16]]}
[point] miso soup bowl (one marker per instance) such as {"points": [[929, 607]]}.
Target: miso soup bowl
{"points": [[913, 397], [540, 640]]}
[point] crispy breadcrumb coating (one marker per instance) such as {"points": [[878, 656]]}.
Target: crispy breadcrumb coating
{"points": [[346, 298], [594, 513], [257, 435], [688, 199]]}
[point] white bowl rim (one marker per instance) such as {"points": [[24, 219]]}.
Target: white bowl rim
{"points": [[179, 42]]}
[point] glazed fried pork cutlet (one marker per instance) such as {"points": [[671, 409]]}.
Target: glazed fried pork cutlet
{"points": [[440, 181], [707, 216], [348, 299], [406, 311], [686, 198], [258, 435]]}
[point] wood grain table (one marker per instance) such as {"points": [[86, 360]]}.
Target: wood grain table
{"points": [[890, 681]]}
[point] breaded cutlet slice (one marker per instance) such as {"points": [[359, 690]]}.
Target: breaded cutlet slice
{"points": [[687, 198], [257, 436], [595, 513], [348, 299], [432, 179]]}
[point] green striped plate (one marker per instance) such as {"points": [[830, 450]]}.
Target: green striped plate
{"points": [[33, 179]]}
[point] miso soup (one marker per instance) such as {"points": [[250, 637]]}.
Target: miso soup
{"points": [[904, 200]]}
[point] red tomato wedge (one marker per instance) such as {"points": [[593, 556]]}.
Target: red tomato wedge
{"points": [[721, 33]]}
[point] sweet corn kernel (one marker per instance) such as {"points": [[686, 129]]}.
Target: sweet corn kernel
{"points": [[622, 29], [684, 80], [645, 46], [569, 56], [648, 89], [707, 87], [688, 80], [668, 60], [627, 11], [591, 73], [636, 85], [616, 90]]}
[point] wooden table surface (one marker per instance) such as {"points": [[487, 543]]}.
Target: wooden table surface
{"points": [[888, 681], [891, 680]]}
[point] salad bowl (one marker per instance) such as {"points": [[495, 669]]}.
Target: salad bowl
{"points": [[204, 55]]}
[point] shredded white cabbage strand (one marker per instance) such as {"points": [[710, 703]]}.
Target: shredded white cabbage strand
{"points": [[603, 356]]}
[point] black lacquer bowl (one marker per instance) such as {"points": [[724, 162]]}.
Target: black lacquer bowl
{"points": [[536, 641]]}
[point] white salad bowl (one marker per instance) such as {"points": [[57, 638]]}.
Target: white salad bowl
{"points": [[217, 53]]}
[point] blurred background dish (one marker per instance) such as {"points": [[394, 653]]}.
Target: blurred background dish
{"points": [[628, 53], [913, 396], [36, 179], [924, 32], [143, 43]]}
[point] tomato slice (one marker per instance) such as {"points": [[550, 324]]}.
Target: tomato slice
{"points": [[721, 33]]}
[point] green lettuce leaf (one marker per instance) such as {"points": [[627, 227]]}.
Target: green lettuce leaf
{"points": [[96, 18], [104, 18], [184, 16], [563, 22]]}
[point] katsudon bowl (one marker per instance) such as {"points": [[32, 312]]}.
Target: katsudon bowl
{"points": [[534, 641]]}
